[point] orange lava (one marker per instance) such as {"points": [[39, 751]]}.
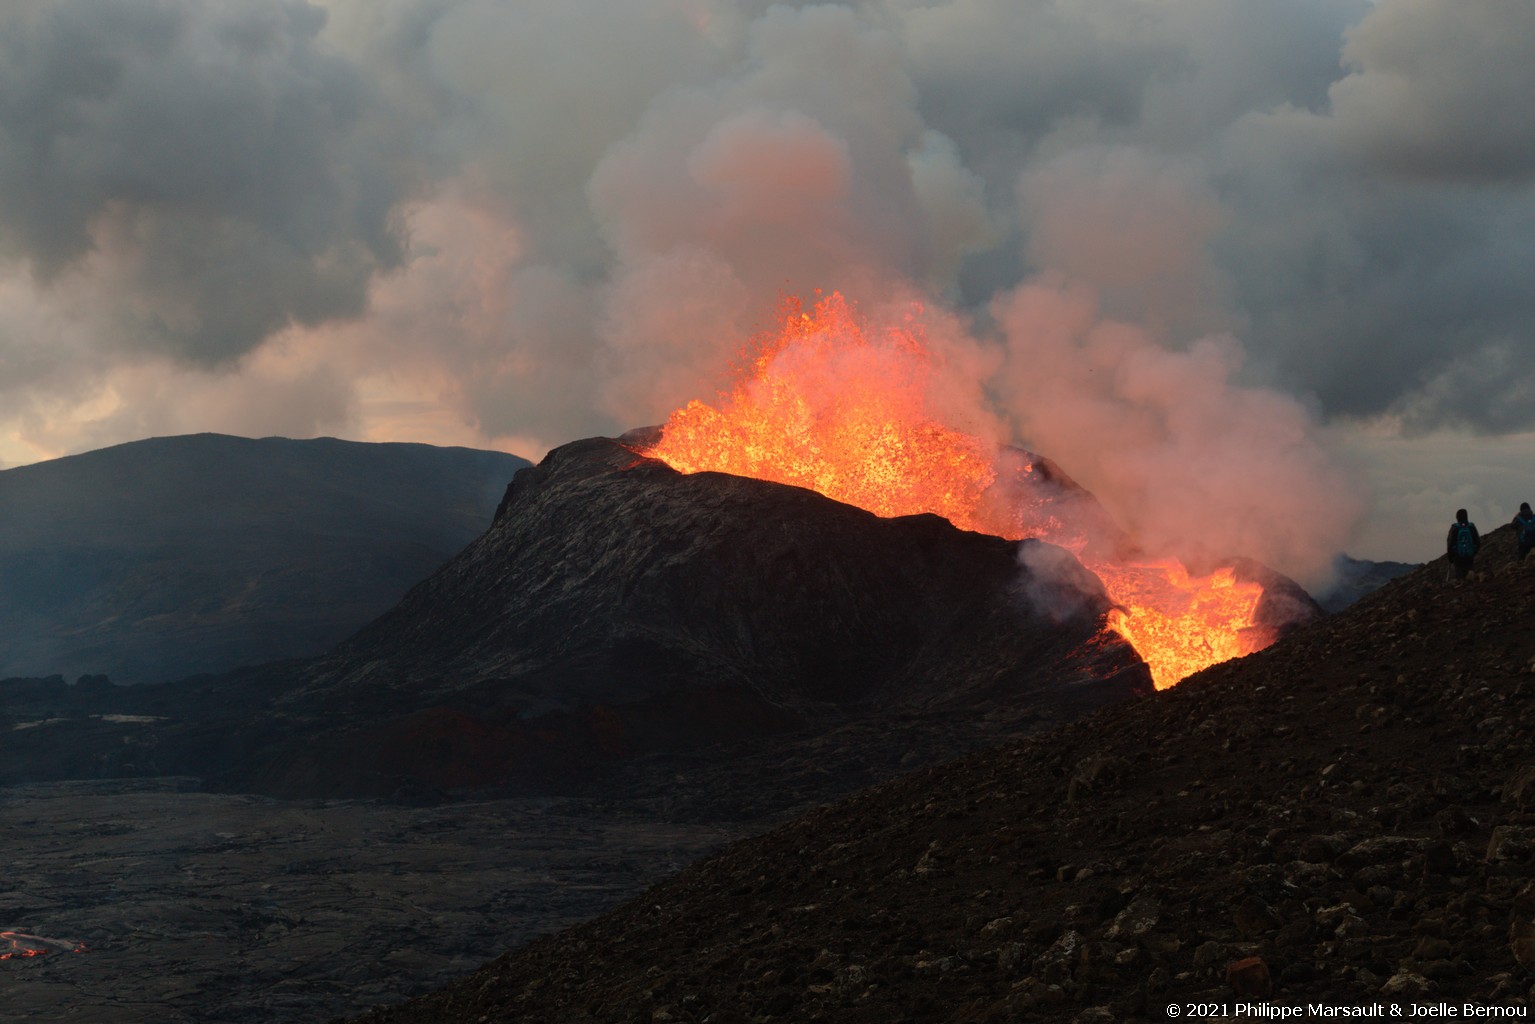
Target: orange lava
{"points": [[1179, 623], [21, 945], [827, 405]]}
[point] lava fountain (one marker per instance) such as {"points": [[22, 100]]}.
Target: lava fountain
{"points": [[823, 406], [829, 405]]}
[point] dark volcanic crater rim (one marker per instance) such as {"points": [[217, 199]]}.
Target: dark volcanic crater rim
{"points": [[618, 614]]}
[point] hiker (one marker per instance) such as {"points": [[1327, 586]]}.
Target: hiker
{"points": [[1524, 529], [1462, 544]]}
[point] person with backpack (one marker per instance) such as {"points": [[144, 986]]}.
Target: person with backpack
{"points": [[1524, 529], [1462, 544]]}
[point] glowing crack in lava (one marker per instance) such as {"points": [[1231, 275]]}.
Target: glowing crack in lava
{"points": [[18, 945], [827, 405]]}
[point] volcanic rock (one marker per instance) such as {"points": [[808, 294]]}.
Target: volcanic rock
{"points": [[621, 626], [232, 909], [1249, 978], [1236, 778], [1520, 788], [617, 609]]}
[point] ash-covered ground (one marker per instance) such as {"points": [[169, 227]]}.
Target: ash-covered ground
{"points": [[1344, 819], [209, 908], [630, 668]]}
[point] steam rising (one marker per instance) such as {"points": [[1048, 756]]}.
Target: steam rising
{"points": [[1056, 584], [1189, 462], [1136, 229]]}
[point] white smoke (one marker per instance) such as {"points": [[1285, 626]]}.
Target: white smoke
{"points": [[1191, 463], [514, 224]]}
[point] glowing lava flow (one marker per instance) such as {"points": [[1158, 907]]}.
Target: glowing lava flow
{"points": [[23, 945], [826, 406], [1179, 623]]}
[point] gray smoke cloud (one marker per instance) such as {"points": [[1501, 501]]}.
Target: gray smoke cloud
{"points": [[217, 153], [515, 223]]}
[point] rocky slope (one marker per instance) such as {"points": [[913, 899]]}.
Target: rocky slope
{"points": [[617, 610], [1347, 817], [178, 555], [621, 624]]}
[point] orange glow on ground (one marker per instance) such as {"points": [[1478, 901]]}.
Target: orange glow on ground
{"points": [[825, 405], [21, 945]]}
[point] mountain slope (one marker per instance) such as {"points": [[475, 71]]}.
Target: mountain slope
{"points": [[1347, 817], [177, 555], [621, 625], [618, 609]]}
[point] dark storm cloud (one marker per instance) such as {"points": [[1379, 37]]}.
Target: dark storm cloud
{"points": [[1441, 89], [1380, 241], [993, 71], [1389, 298], [565, 214], [215, 153]]}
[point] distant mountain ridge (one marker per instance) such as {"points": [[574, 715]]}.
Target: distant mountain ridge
{"points": [[172, 556], [1355, 577]]}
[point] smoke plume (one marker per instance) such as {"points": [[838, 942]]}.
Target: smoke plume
{"points": [[482, 222]]}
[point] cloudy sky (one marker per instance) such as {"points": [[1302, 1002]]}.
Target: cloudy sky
{"points": [[511, 223]]}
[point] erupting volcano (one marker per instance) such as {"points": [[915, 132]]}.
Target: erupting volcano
{"points": [[829, 405]]}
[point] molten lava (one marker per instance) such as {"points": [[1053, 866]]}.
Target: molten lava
{"points": [[1177, 623], [827, 406], [18, 945]]}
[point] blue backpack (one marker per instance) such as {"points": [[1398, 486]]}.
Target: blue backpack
{"points": [[1465, 541], [1526, 530]]}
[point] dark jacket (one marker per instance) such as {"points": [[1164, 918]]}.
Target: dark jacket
{"points": [[1449, 541], [1523, 526]]}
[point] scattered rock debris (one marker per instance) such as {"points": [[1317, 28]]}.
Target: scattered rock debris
{"points": [[1344, 817]]}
